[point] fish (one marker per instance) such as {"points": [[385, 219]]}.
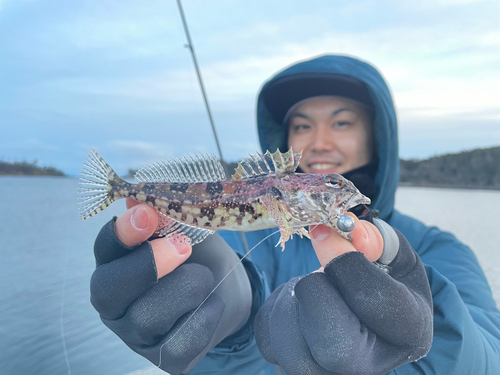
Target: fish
{"points": [[194, 198]]}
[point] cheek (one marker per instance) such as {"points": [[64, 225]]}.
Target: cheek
{"points": [[298, 143], [366, 147], [356, 149]]}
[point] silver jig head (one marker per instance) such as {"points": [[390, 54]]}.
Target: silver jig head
{"points": [[346, 223]]}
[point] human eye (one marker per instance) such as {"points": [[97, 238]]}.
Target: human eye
{"points": [[341, 124], [300, 128]]}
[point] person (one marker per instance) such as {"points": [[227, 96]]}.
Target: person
{"points": [[402, 298]]}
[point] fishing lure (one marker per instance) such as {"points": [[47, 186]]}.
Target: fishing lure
{"points": [[193, 197]]}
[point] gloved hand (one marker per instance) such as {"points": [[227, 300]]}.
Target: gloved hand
{"points": [[355, 317], [146, 291]]}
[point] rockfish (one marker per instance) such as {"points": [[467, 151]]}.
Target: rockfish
{"points": [[193, 197]]}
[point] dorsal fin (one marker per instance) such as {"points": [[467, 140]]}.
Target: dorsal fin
{"points": [[279, 163], [191, 168]]}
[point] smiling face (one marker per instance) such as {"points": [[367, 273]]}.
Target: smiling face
{"points": [[334, 134]]}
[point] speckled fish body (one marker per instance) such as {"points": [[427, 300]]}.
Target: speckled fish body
{"points": [[224, 205], [193, 198]]}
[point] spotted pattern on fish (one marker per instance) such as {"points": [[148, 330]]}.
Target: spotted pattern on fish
{"points": [[262, 199], [207, 204], [214, 189], [179, 187]]}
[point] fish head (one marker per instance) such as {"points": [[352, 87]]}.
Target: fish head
{"points": [[328, 196]]}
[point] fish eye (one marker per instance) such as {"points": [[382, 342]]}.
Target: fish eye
{"points": [[334, 181]]}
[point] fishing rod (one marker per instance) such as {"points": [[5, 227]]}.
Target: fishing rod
{"points": [[190, 46], [205, 99]]}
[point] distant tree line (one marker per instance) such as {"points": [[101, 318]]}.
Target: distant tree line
{"points": [[478, 169], [27, 168]]}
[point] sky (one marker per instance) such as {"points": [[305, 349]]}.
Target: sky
{"points": [[116, 75]]}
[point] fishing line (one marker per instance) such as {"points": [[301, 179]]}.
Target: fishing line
{"points": [[215, 288], [212, 292], [61, 320]]}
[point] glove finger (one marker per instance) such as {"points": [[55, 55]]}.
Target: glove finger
{"points": [[289, 346], [261, 326], [120, 235], [337, 339], [107, 245], [189, 338], [374, 296], [114, 286], [155, 312]]}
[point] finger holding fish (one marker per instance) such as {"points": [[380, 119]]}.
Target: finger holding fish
{"points": [[138, 224], [328, 244]]}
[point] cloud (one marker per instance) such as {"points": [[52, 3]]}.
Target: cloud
{"points": [[237, 150], [82, 69], [140, 149], [419, 76], [127, 26], [30, 145], [235, 61], [422, 137]]}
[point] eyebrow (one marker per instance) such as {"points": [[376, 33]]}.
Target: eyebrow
{"points": [[334, 113], [301, 115]]}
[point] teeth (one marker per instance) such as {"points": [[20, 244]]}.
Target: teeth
{"points": [[322, 166]]}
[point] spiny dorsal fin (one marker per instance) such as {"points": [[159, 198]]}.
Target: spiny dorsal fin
{"points": [[282, 163], [191, 168], [285, 163]]}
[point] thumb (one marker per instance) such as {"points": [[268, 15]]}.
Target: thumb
{"points": [[136, 224], [328, 244]]}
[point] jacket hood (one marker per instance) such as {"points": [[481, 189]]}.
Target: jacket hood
{"points": [[341, 76]]}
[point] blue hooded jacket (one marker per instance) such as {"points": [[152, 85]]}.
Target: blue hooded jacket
{"points": [[466, 319]]}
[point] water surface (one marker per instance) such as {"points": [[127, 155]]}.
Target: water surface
{"points": [[47, 324]]}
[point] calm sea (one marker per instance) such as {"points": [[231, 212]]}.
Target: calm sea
{"points": [[47, 325]]}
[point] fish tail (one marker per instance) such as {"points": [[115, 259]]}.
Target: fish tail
{"points": [[98, 183]]}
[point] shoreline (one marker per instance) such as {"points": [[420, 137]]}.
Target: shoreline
{"points": [[401, 184], [446, 186]]}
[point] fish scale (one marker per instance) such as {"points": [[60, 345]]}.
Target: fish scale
{"points": [[193, 198]]}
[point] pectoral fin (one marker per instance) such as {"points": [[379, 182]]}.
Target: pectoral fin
{"points": [[278, 210]]}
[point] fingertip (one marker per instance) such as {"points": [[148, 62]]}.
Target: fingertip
{"points": [[136, 225], [368, 240], [169, 254], [359, 233], [352, 215]]}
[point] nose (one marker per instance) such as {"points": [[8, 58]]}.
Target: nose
{"points": [[322, 139]]}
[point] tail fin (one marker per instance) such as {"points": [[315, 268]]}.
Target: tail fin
{"points": [[96, 186]]}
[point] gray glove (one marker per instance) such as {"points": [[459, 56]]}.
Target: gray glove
{"points": [[149, 314], [355, 318]]}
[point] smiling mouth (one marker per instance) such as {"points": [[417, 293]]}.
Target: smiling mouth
{"points": [[323, 166]]}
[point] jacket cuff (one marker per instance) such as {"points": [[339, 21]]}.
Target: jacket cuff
{"points": [[389, 236], [391, 242]]}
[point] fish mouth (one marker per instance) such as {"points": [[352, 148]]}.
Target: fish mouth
{"points": [[356, 199]]}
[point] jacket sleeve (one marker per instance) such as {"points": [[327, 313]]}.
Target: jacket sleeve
{"points": [[466, 318]]}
